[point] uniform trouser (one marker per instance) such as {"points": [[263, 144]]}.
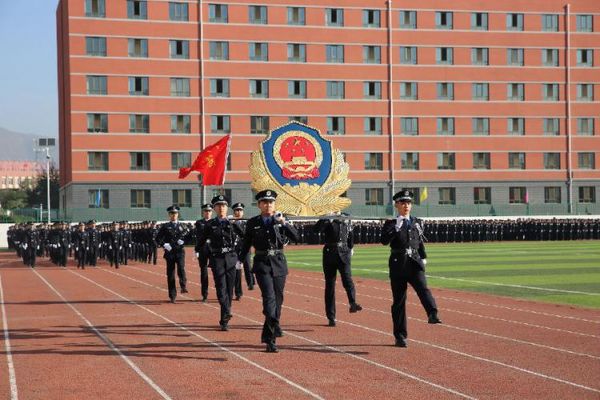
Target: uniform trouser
{"points": [[92, 256], [113, 255], [330, 270], [224, 276], [81, 257], [153, 252], [416, 278], [62, 260], [250, 281], [238, 283], [271, 288], [29, 256], [176, 260], [203, 263]]}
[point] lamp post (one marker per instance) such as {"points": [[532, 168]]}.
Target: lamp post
{"points": [[44, 144]]}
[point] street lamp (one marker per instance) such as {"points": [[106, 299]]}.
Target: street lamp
{"points": [[44, 144]]}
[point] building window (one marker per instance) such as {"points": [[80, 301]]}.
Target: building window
{"points": [[259, 124], [296, 52], [137, 48], [552, 194], [180, 160], [516, 160], [551, 160], [550, 91], [258, 51], [140, 198], [481, 126], [446, 161], [299, 118], [482, 195], [585, 57], [551, 126], [296, 16], [297, 89], [408, 19], [481, 91], [181, 124], [481, 161], [221, 191], [96, 85], [514, 22], [517, 195], [585, 92], [550, 57], [586, 160], [550, 22], [178, 12], [336, 125], [372, 90], [179, 49], [374, 197], [137, 9], [371, 18], [443, 20], [334, 53], [516, 126], [408, 90], [447, 196], [219, 87], [217, 13], [445, 91], [334, 17], [335, 89], [138, 86], [480, 56], [372, 125], [220, 124], [408, 55], [585, 23], [259, 88], [95, 8], [98, 198], [139, 123], [98, 161], [409, 126], [587, 194], [219, 50], [180, 87], [444, 55], [479, 21], [445, 126], [515, 57], [409, 161], [585, 126], [95, 46], [257, 15], [374, 161], [140, 161], [515, 92], [97, 123], [182, 197], [372, 54]]}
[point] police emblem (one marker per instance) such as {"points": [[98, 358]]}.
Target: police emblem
{"points": [[303, 168]]}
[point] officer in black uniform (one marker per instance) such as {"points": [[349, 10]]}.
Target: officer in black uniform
{"points": [[238, 215], [81, 242], [115, 244], [30, 243], [202, 249], [268, 233], [171, 236], [64, 241], [221, 236], [337, 253], [94, 243], [407, 263]]}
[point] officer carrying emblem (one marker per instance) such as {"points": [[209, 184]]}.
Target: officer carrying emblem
{"points": [[303, 168]]}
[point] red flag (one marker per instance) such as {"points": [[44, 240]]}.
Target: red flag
{"points": [[210, 163]]}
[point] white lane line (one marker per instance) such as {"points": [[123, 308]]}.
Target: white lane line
{"points": [[182, 327], [14, 393], [337, 350], [106, 340]]}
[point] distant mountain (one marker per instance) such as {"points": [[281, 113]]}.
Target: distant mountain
{"points": [[20, 146]]}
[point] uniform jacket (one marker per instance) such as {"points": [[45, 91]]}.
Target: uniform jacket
{"points": [[407, 245], [339, 239]]}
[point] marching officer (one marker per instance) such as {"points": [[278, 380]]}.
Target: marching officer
{"points": [[30, 244], [202, 249], [407, 263], [337, 253], [268, 233], [94, 243], [171, 236], [81, 241], [115, 244], [221, 236], [64, 244], [238, 214]]}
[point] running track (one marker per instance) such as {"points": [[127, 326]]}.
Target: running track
{"points": [[106, 333]]}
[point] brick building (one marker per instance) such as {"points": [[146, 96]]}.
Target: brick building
{"points": [[15, 173]]}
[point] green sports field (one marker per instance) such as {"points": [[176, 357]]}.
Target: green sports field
{"points": [[555, 272]]}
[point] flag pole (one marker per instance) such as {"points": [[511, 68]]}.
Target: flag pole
{"points": [[226, 160]]}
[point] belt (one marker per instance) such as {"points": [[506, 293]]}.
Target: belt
{"points": [[270, 252], [337, 244], [223, 250], [408, 251]]}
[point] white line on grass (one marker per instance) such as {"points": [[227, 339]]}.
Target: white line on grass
{"points": [[14, 393]]}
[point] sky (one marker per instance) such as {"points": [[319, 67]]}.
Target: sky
{"points": [[28, 70]]}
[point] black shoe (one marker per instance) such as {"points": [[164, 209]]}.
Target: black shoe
{"points": [[227, 317], [272, 348], [331, 322], [278, 332], [224, 327], [204, 299], [354, 307], [401, 342], [433, 318], [172, 300], [237, 298], [251, 287], [184, 290]]}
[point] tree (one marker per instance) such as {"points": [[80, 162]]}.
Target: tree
{"points": [[12, 198], [36, 194]]}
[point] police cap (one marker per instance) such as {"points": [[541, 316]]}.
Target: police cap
{"points": [[238, 206], [173, 209], [403, 195], [220, 199], [206, 207], [269, 195]]}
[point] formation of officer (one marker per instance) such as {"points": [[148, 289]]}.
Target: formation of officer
{"points": [[337, 255], [405, 236], [268, 233], [202, 249]]}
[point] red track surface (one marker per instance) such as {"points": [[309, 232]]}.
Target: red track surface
{"points": [[106, 333]]}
